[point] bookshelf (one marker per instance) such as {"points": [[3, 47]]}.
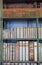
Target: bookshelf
{"points": [[29, 21]]}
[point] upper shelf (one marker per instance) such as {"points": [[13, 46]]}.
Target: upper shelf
{"points": [[22, 13]]}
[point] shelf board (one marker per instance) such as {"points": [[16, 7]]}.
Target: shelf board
{"points": [[19, 39]]}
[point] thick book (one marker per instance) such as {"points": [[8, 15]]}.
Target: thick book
{"points": [[35, 51], [17, 51], [24, 51], [31, 51], [27, 51], [21, 51], [6, 34]]}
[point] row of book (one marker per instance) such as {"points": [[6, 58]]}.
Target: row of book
{"points": [[29, 5], [19, 64], [20, 51], [20, 32]]}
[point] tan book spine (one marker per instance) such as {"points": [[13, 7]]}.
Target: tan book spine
{"points": [[6, 55], [18, 32], [14, 52], [24, 49], [31, 49], [4, 48], [10, 51], [17, 51], [21, 50]]}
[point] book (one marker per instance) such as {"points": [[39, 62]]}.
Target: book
{"points": [[18, 32], [6, 34], [12, 33], [23, 63], [27, 51], [14, 52], [6, 51], [11, 63], [4, 48], [39, 32], [8, 63], [17, 51], [8, 45], [24, 50], [15, 31], [31, 51], [21, 51], [16, 63], [28, 33], [20, 63], [35, 51], [10, 52], [24, 32], [39, 53], [28, 64], [21, 32]]}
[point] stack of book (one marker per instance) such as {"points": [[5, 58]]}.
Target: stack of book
{"points": [[20, 51], [20, 32], [20, 63]]}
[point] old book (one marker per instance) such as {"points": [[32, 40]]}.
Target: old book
{"points": [[35, 51], [14, 52], [17, 51], [24, 32], [28, 33], [10, 52], [27, 51], [31, 49], [24, 49], [6, 52], [21, 51], [15, 31], [6, 34], [21, 32], [18, 32], [12, 33], [4, 48]]}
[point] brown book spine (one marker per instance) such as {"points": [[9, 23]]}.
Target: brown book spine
{"points": [[31, 51]]}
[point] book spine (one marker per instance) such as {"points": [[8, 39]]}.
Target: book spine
{"points": [[8, 63], [17, 51], [24, 49], [28, 64], [4, 48], [39, 52], [12, 33], [27, 51], [23, 64], [35, 51], [21, 29], [16, 63], [21, 50], [11, 52], [20, 63], [4, 63], [15, 32], [8, 51], [31, 49], [24, 32], [18, 32], [14, 51], [28, 33]]}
